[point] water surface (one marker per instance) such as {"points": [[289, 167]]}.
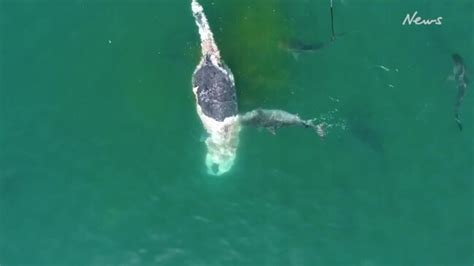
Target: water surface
{"points": [[101, 160]]}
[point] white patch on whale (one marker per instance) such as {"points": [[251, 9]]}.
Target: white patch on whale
{"points": [[221, 142]]}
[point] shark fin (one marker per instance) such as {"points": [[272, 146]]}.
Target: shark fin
{"points": [[295, 55], [271, 130], [458, 122]]}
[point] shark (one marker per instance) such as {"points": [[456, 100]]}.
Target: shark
{"points": [[460, 77], [272, 119], [296, 47]]}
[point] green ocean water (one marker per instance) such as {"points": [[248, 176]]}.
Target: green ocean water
{"points": [[101, 152]]}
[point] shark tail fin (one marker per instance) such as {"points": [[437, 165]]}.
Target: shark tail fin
{"points": [[458, 121], [295, 55]]}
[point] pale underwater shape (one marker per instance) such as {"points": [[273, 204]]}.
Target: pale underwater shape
{"points": [[221, 142]]}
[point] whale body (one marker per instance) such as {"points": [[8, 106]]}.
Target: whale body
{"points": [[214, 89]]}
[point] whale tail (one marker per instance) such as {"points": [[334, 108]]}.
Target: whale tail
{"points": [[208, 45]]}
